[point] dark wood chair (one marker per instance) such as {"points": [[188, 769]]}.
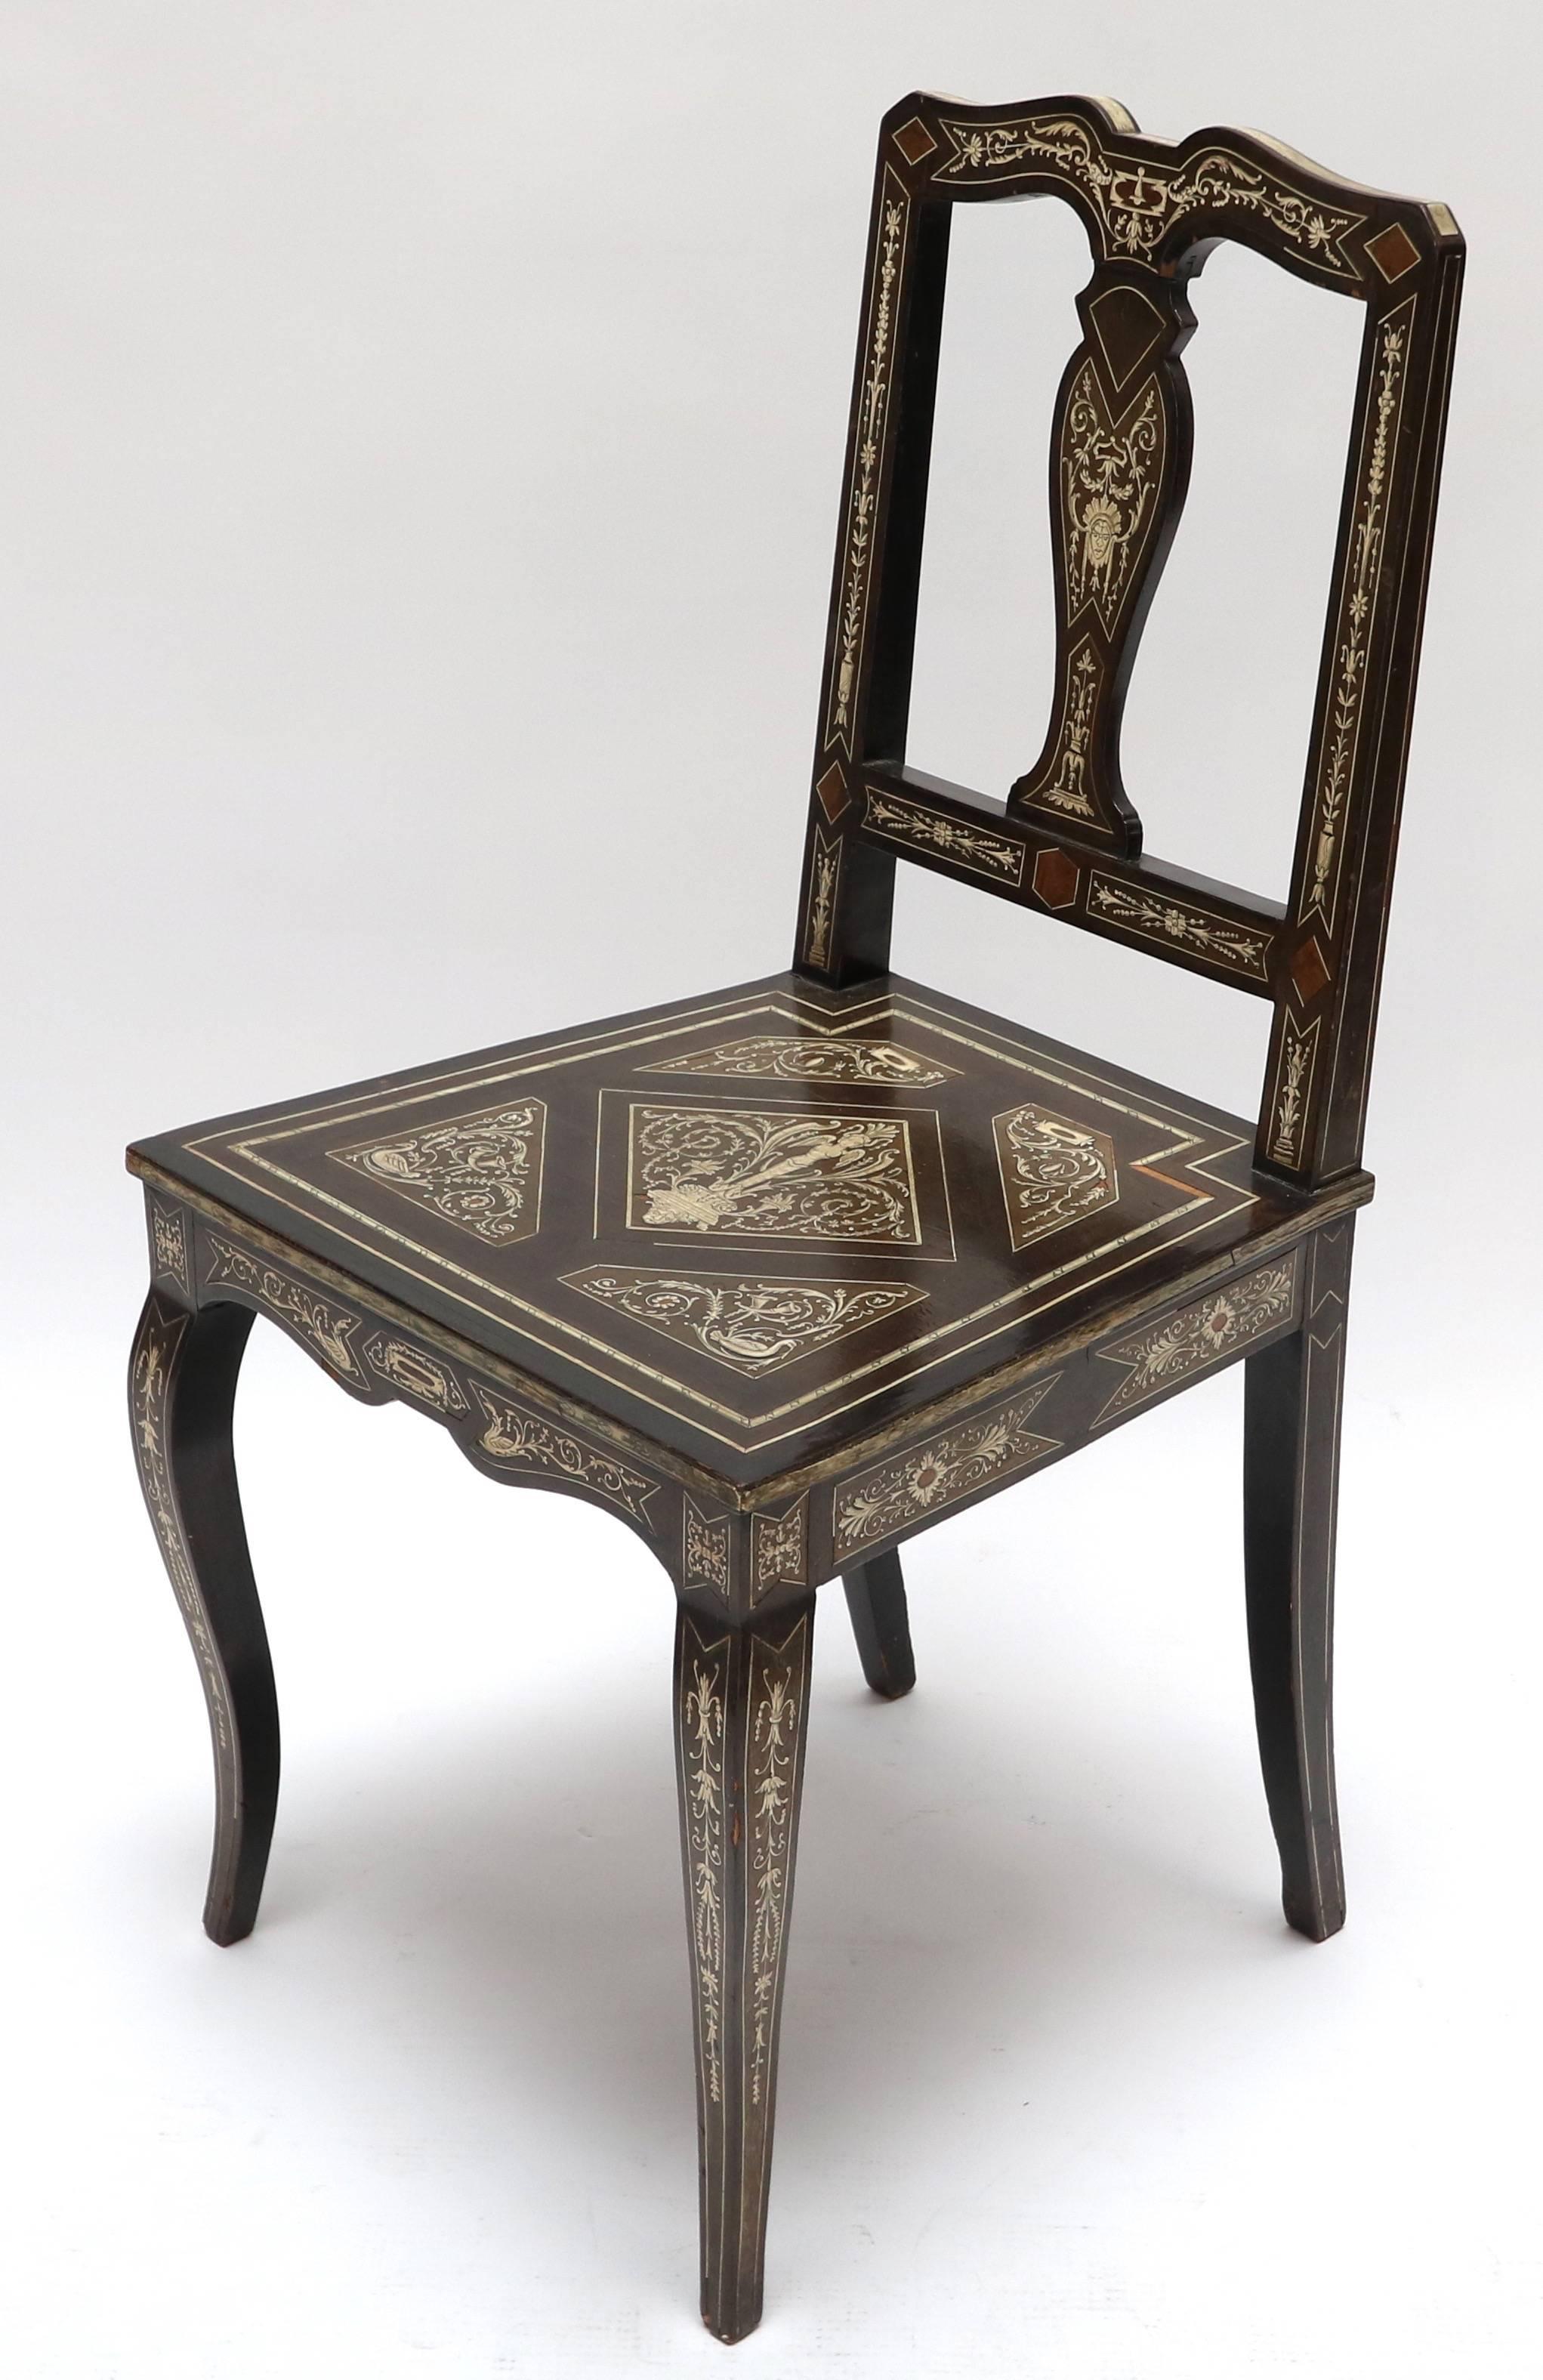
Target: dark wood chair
{"points": [[784, 1274]]}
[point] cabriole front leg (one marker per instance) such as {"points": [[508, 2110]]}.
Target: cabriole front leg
{"points": [[182, 1387], [741, 1697]]}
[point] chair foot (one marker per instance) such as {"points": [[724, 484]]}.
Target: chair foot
{"points": [[181, 1390], [1291, 1477], [876, 1599]]}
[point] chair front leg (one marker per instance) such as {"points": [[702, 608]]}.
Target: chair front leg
{"points": [[741, 1698], [182, 1389], [876, 1599], [1291, 1408]]}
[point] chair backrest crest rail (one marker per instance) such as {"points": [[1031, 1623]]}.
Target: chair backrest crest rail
{"points": [[1066, 839]]}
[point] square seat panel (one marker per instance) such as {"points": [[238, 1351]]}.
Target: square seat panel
{"points": [[758, 1228]]}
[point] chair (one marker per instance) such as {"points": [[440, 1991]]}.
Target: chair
{"points": [[783, 1275]]}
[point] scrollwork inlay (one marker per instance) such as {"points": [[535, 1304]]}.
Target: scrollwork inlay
{"points": [[798, 1058], [524, 1441], [753, 1325], [1053, 1171], [326, 1325], [1159, 917], [772, 1173], [480, 1173], [969, 847], [937, 1473], [1136, 202], [1199, 1335]]}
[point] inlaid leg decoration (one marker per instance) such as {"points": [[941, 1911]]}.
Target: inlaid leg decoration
{"points": [[876, 1599], [1291, 1480], [181, 1389], [741, 1710]]}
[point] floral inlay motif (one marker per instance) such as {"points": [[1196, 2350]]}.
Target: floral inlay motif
{"points": [[154, 1363], [704, 1548], [822, 897], [898, 1493], [525, 1442], [1067, 773], [480, 1173], [778, 1550], [971, 846], [868, 458], [1109, 471], [772, 1173], [1295, 1079], [1053, 1171], [752, 1324], [327, 1328], [1199, 1335], [703, 1687], [776, 1681], [169, 1232], [1137, 201], [1358, 614], [798, 1058], [416, 1373], [1160, 918]]}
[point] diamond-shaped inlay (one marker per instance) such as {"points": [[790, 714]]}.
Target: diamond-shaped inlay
{"points": [[1394, 253], [753, 1324], [482, 1172], [1309, 971], [830, 789], [1056, 878], [772, 1173], [914, 141], [1053, 1171]]}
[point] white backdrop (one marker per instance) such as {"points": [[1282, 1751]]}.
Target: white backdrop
{"points": [[420, 431]]}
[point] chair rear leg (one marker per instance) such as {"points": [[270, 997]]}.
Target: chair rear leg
{"points": [[1292, 1409], [182, 1389], [876, 1599]]}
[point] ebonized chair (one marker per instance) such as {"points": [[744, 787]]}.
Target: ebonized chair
{"points": [[783, 1275]]}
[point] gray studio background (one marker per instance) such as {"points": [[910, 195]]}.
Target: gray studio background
{"points": [[421, 435]]}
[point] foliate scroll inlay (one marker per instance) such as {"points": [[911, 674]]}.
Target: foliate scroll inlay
{"points": [[1199, 1335], [415, 1373], [800, 1059], [772, 1173], [1137, 201], [868, 459], [326, 1327], [778, 1550], [524, 1441], [753, 1325], [1357, 619], [704, 1550], [1053, 1171], [992, 856], [480, 1173], [896, 1494], [1159, 917]]}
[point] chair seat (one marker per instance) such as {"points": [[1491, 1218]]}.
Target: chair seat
{"points": [[757, 1228]]}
